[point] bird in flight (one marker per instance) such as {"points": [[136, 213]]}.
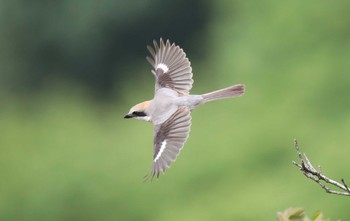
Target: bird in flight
{"points": [[170, 109]]}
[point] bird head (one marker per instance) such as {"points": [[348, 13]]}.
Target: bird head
{"points": [[139, 111]]}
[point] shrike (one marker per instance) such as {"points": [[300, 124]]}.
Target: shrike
{"points": [[170, 109]]}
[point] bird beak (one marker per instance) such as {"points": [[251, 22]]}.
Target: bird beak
{"points": [[128, 116]]}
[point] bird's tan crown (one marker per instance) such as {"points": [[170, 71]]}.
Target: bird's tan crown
{"points": [[141, 106]]}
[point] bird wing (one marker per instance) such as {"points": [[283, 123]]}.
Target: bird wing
{"points": [[169, 139], [171, 67]]}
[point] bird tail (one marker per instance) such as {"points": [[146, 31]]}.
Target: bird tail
{"points": [[233, 91]]}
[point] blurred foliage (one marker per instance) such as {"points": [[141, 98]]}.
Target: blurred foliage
{"points": [[292, 214], [66, 156], [89, 42], [298, 214]]}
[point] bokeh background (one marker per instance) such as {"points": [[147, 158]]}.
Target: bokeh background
{"points": [[70, 70]]}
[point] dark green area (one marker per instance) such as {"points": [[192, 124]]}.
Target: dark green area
{"points": [[70, 70]]}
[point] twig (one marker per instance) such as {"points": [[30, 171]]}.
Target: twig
{"points": [[316, 175]]}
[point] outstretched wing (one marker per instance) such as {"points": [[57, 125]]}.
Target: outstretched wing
{"points": [[171, 67], [169, 139]]}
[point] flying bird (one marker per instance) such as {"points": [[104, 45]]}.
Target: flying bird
{"points": [[170, 109]]}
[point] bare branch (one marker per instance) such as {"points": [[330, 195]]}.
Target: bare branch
{"points": [[310, 172]]}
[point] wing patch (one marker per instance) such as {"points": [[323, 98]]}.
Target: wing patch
{"points": [[162, 66], [162, 147]]}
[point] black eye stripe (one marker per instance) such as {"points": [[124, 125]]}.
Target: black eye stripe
{"points": [[139, 113]]}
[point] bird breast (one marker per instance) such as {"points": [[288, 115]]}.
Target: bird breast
{"points": [[163, 105]]}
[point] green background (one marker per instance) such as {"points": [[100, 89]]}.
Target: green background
{"points": [[70, 70]]}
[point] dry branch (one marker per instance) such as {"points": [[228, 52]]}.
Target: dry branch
{"points": [[310, 172]]}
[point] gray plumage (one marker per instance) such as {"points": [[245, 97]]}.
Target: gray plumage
{"points": [[174, 132], [179, 74], [170, 109]]}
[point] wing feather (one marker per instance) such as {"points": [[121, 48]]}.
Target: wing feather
{"points": [[169, 62], [169, 139]]}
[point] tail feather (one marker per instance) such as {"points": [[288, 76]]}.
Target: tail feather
{"points": [[233, 91]]}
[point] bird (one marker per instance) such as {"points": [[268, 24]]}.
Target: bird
{"points": [[170, 109]]}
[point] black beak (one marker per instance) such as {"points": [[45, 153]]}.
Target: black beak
{"points": [[128, 116]]}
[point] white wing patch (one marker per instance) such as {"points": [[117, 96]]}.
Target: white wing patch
{"points": [[162, 66], [162, 148]]}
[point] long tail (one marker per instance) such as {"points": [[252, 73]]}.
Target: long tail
{"points": [[233, 91]]}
